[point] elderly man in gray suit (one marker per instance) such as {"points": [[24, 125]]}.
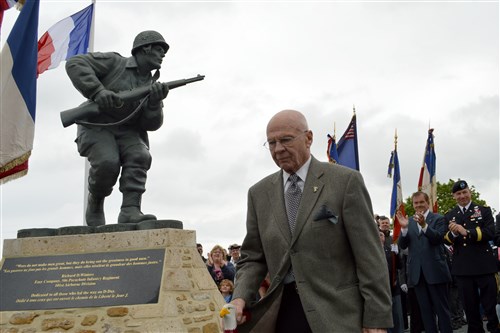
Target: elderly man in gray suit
{"points": [[427, 270], [310, 225]]}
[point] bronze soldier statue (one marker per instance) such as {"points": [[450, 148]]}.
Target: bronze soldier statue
{"points": [[115, 138]]}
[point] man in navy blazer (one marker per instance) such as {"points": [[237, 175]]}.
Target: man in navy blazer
{"points": [[428, 271]]}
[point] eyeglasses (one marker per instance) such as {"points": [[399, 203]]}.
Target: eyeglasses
{"points": [[285, 141]]}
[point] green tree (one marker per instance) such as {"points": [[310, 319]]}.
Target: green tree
{"points": [[445, 198]]}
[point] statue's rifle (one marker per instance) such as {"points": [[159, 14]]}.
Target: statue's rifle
{"points": [[91, 108]]}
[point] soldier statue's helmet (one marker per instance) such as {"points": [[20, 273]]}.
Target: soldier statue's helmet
{"points": [[149, 37]]}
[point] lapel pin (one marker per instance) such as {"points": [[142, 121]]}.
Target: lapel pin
{"points": [[315, 189]]}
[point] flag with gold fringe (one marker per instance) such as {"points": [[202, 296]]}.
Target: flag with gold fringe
{"points": [[18, 61]]}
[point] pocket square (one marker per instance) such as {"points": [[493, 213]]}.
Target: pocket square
{"points": [[325, 213]]}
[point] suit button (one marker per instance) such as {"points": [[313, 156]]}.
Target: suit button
{"points": [[465, 244]]}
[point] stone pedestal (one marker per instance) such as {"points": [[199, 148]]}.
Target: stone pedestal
{"points": [[188, 300]]}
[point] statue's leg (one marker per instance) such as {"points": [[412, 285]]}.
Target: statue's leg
{"points": [[136, 161], [94, 214], [101, 150]]}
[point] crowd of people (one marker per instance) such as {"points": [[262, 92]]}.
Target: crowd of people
{"points": [[443, 270], [434, 287], [314, 259], [221, 265]]}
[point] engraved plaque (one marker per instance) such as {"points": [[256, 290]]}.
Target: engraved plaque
{"points": [[81, 280]]}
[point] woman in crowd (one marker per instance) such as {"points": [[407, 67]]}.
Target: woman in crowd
{"points": [[218, 267]]}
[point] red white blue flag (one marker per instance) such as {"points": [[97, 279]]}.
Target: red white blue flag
{"points": [[397, 203], [427, 181], [347, 148], [18, 93], [65, 39]]}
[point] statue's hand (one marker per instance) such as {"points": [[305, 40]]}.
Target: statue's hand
{"points": [[158, 93], [108, 99]]}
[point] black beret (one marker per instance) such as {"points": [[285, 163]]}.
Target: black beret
{"points": [[458, 186]]}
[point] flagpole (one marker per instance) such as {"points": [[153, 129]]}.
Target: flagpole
{"points": [[92, 26], [395, 139], [87, 164]]}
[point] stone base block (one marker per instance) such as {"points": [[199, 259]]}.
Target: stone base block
{"points": [[188, 299]]}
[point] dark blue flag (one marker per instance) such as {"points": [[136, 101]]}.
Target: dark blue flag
{"points": [[347, 148]]}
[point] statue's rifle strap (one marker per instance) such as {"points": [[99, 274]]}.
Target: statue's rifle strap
{"points": [[156, 76], [124, 120]]}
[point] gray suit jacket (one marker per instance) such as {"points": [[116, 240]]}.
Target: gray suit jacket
{"points": [[340, 268], [426, 252]]}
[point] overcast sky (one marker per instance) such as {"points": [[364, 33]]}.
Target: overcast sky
{"points": [[403, 65]]}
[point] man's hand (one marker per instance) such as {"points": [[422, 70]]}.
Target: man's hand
{"points": [[403, 221], [158, 93], [420, 219], [457, 229], [239, 303], [210, 262], [108, 99]]}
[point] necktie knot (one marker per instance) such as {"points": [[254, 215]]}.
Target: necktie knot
{"points": [[294, 183], [294, 178], [464, 210]]}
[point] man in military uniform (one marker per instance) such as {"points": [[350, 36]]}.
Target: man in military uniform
{"points": [[471, 227], [117, 138]]}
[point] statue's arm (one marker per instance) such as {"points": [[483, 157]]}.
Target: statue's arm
{"points": [[86, 70], [152, 115]]}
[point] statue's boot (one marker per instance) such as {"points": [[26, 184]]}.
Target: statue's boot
{"points": [[131, 209], [94, 215]]}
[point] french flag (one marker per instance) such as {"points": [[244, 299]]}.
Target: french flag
{"points": [[65, 39], [427, 181], [18, 93], [397, 203]]}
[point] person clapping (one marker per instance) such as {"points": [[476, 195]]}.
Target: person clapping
{"points": [[218, 267]]}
